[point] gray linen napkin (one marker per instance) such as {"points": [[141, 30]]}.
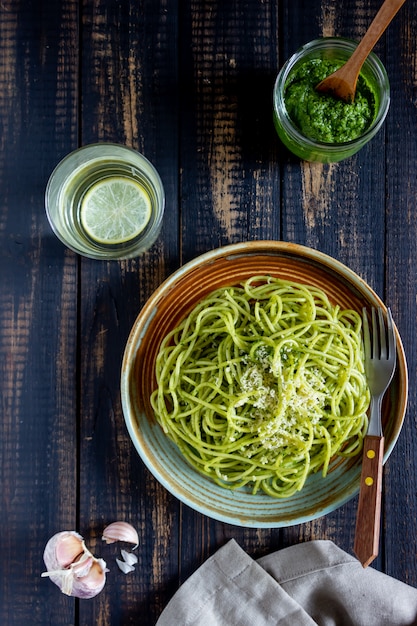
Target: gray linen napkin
{"points": [[303, 585]]}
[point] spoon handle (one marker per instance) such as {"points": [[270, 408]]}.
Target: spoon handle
{"points": [[378, 26]]}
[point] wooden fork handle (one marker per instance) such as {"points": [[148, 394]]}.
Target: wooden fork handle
{"points": [[368, 516]]}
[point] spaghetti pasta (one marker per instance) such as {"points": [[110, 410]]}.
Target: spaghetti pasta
{"points": [[263, 384]]}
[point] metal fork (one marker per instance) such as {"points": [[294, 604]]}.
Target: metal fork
{"points": [[380, 360]]}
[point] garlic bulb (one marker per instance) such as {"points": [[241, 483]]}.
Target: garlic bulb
{"points": [[72, 567], [77, 572], [121, 531]]}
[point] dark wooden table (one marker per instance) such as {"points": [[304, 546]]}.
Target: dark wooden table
{"points": [[188, 84]]}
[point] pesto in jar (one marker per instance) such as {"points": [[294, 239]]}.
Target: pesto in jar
{"points": [[322, 117]]}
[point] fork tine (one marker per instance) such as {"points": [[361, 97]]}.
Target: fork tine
{"points": [[375, 342], [392, 346], [382, 335], [366, 335]]}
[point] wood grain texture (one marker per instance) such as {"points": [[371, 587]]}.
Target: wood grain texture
{"points": [[38, 308], [400, 489], [189, 84], [231, 175], [127, 76], [231, 179], [325, 207]]}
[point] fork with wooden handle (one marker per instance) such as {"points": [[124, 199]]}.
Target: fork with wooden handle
{"points": [[380, 360]]}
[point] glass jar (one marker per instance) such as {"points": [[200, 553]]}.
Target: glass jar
{"points": [[333, 49]]}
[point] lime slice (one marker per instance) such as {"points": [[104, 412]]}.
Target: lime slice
{"points": [[115, 210]]}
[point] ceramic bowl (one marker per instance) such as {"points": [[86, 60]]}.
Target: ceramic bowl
{"points": [[169, 304]]}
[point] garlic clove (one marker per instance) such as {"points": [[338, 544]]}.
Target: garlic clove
{"points": [[128, 557], [90, 585], [82, 567], [121, 531], [63, 549], [128, 562], [125, 567], [72, 567]]}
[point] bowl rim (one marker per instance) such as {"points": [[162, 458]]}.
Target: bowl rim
{"points": [[138, 332]]}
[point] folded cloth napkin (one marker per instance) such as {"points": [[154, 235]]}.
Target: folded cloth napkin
{"points": [[303, 585]]}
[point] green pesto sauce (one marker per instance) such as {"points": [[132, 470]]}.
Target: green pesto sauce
{"points": [[321, 116]]}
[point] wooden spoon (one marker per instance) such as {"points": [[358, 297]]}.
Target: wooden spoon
{"points": [[342, 83]]}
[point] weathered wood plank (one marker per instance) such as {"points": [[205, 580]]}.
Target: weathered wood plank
{"points": [[400, 475], [338, 209], [231, 180], [38, 307], [231, 176], [128, 95]]}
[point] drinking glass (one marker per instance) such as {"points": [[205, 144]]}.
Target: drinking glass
{"points": [[70, 186]]}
